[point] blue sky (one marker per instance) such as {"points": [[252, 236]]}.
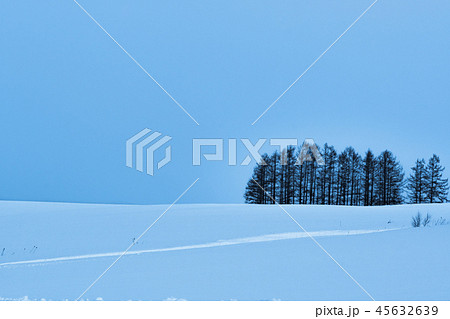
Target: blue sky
{"points": [[70, 98]]}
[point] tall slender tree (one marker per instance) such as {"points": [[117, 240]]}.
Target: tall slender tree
{"points": [[331, 175], [416, 182], [256, 186], [325, 176], [354, 169], [436, 186], [389, 182], [343, 176], [369, 165], [272, 168]]}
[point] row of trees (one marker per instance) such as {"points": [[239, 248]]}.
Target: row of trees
{"points": [[344, 179]]}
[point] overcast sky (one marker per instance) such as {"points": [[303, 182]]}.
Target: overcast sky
{"points": [[70, 97]]}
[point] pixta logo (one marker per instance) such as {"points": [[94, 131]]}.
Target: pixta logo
{"points": [[143, 146], [308, 152]]}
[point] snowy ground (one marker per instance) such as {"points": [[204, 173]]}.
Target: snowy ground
{"points": [[54, 251]]}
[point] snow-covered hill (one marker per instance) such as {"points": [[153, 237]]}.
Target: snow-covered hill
{"points": [[222, 252]]}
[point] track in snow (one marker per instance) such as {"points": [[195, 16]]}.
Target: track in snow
{"points": [[219, 243]]}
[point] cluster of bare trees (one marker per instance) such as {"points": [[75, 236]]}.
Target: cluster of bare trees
{"points": [[343, 179], [426, 183]]}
